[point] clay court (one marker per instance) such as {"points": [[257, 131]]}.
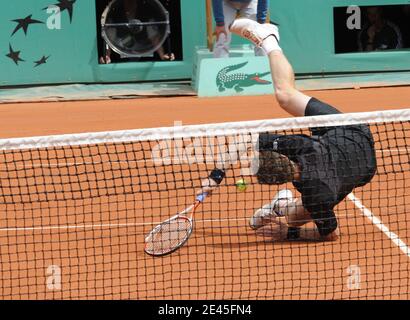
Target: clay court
{"points": [[99, 244]]}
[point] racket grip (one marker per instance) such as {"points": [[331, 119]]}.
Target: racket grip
{"points": [[201, 197]]}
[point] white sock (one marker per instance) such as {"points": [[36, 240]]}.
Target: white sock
{"points": [[270, 44], [281, 207]]}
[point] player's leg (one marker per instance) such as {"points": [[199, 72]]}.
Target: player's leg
{"points": [[289, 98], [279, 230], [297, 216], [282, 229], [295, 213], [250, 11], [223, 42], [267, 37], [288, 215]]}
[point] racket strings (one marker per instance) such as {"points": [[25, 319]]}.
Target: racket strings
{"points": [[168, 236]]}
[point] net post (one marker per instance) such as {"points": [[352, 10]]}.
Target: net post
{"points": [[209, 26]]}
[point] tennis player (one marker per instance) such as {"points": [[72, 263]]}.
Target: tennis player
{"points": [[323, 167]]}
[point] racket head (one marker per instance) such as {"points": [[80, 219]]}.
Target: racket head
{"points": [[168, 236]]}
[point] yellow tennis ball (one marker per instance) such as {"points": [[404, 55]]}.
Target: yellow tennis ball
{"points": [[241, 185]]}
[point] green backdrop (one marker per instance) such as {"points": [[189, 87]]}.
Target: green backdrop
{"points": [[306, 29]]}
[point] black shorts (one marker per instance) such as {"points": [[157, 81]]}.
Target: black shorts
{"points": [[342, 136], [316, 107]]}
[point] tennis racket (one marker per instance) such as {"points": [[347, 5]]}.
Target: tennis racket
{"points": [[173, 233]]}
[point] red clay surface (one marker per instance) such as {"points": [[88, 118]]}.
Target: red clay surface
{"points": [[104, 257], [19, 120]]}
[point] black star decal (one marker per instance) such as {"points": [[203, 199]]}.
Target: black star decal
{"points": [[14, 55], [43, 60], [24, 23], [66, 5]]}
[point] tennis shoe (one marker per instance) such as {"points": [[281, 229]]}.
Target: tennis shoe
{"points": [[254, 31], [270, 211]]}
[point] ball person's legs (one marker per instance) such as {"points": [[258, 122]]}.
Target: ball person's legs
{"points": [[223, 43]]}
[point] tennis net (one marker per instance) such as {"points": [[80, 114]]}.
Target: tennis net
{"points": [[75, 210]]}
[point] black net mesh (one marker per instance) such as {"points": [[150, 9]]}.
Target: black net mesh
{"points": [[74, 220]]}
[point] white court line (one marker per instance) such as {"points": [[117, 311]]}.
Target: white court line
{"points": [[365, 211], [121, 225], [107, 225], [117, 225], [379, 224]]}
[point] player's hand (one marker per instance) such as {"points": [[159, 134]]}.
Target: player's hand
{"points": [[220, 30], [207, 186]]}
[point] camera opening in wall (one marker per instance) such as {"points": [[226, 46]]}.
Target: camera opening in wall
{"points": [[138, 30], [371, 28]]}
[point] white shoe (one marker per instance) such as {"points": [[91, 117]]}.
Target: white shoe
{"points": [[254, 31], [264, 215]]}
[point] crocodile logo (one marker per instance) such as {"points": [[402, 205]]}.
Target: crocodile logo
{"points": [[238, 81]]}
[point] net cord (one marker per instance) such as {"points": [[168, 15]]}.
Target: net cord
{"points": [[207, 130]]}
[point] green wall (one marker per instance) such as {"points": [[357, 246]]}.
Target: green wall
{"points": [[306, 29], [73, 49], [308, 41]]}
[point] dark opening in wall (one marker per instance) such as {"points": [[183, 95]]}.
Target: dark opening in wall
{"points": [[371, 28], [135, 30]]}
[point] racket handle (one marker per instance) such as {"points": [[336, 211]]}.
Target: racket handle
{"points": [[201, 197]]}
